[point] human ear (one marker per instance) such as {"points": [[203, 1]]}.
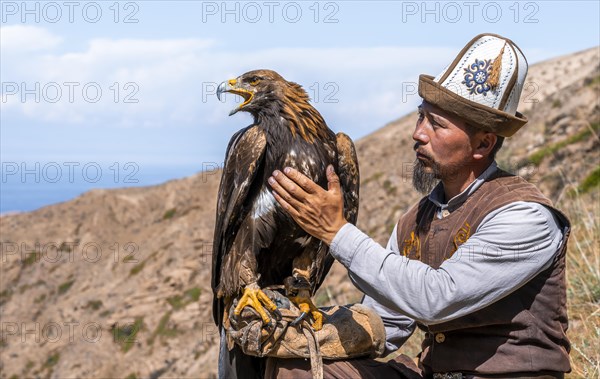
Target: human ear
{"points": [[486, 143]]}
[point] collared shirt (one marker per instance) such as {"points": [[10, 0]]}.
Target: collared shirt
{"points": [[510, 247], [437, 196]]}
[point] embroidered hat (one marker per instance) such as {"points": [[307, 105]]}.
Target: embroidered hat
{"points": [[482, 85]]}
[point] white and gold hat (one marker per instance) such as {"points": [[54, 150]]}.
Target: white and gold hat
{"points": [[482, 85]]}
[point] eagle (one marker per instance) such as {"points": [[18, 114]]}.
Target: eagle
{"points": [[256, 242]]}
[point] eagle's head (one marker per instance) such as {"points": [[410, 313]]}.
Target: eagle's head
{"points": [[260, 88], [266, 93]]}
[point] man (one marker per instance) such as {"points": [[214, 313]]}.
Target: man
{"points": [[479, 263]]}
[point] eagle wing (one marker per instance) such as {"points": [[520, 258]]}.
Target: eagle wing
{"points": [[244, 156], [349, 176], [350, 183]]}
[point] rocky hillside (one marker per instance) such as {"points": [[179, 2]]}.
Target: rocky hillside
{"points": [[116, 283]]}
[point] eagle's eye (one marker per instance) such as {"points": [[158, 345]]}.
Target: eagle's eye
{"points": [[254, 80]]}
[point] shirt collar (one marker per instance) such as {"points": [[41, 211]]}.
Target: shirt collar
{"points": [[437, 195]]}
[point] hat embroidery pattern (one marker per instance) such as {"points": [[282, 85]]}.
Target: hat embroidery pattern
{"points": [[482, 85], [476, 76]]}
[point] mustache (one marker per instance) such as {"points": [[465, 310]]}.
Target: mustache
{"points": [[417, 149]]}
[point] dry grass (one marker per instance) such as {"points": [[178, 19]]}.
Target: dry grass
{"points": [[583, 288]]}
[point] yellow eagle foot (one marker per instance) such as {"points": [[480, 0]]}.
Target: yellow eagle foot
{"points": [[255, 298], [306, 306]]}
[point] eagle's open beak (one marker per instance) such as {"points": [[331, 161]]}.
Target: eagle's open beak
{"points": [[232, 86]]}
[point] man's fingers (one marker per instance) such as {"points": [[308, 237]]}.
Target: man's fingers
{"points": [[283, 193], [286, 205], [299, 178], [333, 181], [279, 181]]}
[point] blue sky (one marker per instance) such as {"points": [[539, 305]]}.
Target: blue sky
{"points": [[129, 86]]}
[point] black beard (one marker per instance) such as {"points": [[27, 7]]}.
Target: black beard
{"points": [[422, 181]]}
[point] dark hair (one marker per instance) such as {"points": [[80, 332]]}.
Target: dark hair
{"points": [[497, 146], [471, 130]]}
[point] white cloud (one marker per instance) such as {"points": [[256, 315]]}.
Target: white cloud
{"points": [[173, 80], [26, 38]]}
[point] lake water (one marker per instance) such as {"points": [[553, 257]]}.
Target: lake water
{"points": [[50, 185]]}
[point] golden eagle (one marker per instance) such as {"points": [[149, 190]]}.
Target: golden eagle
{"points": [[256, 243]]}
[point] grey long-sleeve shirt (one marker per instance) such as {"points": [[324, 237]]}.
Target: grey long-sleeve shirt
{"points": [[510, 247]]}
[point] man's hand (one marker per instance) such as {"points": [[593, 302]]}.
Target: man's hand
{"points": [[320, 213]]}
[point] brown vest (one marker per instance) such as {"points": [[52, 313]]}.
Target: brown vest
{"points": [[523, 332]]}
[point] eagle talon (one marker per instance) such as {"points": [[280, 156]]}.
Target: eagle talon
{"points": [[255, 298], [306, 306], [299, 319]]}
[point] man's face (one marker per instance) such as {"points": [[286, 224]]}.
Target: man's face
{"points": [[443, 148]]}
